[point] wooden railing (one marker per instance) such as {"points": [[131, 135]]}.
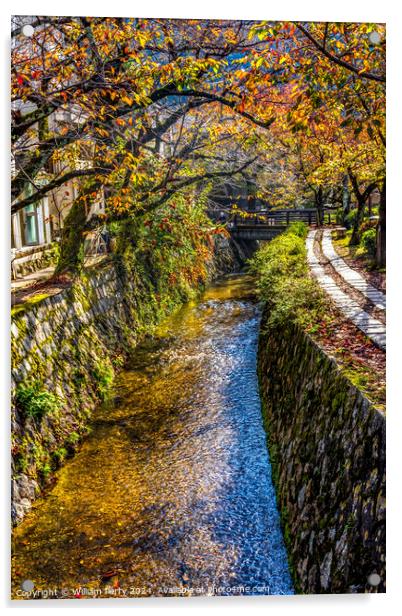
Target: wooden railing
{"points": [[283, 217]]}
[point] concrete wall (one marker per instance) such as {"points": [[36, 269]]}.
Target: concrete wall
{"points": [[327, 445]]}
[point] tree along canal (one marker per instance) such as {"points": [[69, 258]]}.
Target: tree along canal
{"points": [[171, 493]]}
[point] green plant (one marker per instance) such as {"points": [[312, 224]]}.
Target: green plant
{"points": [[115, 227], [298, 228], [73, 438], [340, 216], [34, 401], [368, 242], [350, 218], [118, 361], [103, 375], [54, 251], [59, 455], [78, 377], [284, 283], [45, 469], [368, 224], [350, 523], [21, 463]]}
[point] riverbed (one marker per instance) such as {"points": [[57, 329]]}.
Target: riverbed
{"points": [[171, 493]]}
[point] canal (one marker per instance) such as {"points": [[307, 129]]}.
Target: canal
{"points": [[171, 492]]}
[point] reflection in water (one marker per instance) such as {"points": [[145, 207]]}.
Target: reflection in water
{"points": [[171, 493]]}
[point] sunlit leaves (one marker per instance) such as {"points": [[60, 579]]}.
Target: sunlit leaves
{"points": [[109, 72]]}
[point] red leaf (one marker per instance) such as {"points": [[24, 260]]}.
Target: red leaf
{"points": [[242, 104]]}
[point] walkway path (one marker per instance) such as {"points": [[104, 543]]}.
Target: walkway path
{"points": [[370, 326], [31, 279], [39, 282], [352, 277]]}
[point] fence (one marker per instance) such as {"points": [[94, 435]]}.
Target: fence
{"points": [[284, 217]]}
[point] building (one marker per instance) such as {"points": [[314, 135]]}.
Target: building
{"points": [[36, 227]]}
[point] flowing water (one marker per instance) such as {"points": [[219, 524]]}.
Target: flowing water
{"points": [[171, 493]]}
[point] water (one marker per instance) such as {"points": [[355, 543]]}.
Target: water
{"points": [[171, 494]]}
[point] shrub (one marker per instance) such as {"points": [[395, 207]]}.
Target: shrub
{"points": [[118, 361], [170, 245], [350, 218], [284, 283], [34, 401], [339, 216], [368, 242], [368, 224], [298, 228]]}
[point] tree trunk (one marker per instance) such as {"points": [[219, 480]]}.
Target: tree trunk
{"points": [[361, 198], [250, 196], [345, 200], [381, 230], [355, 239], [71, 255], [319, 203]]}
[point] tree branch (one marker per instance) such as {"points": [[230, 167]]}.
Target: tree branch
{"points": [[70, 175], [336, 59]]}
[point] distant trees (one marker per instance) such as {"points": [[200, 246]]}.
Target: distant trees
{"points": [[332, 107]]}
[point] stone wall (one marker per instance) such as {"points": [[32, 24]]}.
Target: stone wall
{"points": [[32, 258], [327, 445], [69, 345]]}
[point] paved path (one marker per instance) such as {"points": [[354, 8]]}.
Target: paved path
{"points": [[29, 280], [32, 279], [356, 280], [39, 282], [373, 328]]}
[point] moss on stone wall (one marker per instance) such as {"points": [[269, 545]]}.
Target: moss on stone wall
{"points": [[327, 446], [68, 347]]}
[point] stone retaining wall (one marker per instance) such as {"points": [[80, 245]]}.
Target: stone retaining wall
{"points": [[327, 445], [31, 259], [69, 345]]}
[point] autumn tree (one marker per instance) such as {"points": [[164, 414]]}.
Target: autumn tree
{"points": [[120, 89], [113, 80]]}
